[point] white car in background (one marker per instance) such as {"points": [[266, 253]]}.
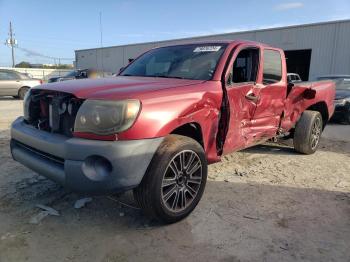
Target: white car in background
{"points": [[13, 83], [293, 78]]}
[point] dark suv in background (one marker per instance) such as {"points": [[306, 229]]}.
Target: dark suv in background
{"points": [[342, 97], [76, 74]]}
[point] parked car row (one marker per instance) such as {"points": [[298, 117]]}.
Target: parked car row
{"points": [[78, 74], [16, 84]]}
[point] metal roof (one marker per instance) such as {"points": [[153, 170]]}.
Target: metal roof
{"points": [[223, 34]]}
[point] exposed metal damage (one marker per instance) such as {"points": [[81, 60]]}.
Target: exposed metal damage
{"points": [[54, 112]]}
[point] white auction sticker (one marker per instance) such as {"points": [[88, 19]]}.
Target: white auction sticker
{"points": [[207, 49]]}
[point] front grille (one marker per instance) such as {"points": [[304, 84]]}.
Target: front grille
{"points": [[53, 112]]}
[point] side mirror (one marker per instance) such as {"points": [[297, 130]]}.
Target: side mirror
{"points": [[290, 86], [130, 60]]}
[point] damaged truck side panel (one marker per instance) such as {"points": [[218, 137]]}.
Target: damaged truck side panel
{"points": [[260, 111], [156, 126]]}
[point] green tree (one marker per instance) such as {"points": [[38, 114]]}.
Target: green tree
{"points": [[23, 64]]}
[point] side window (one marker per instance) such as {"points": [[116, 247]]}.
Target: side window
{"points": [[245, 67], [3, 76], [8, 76], [272, 67]]}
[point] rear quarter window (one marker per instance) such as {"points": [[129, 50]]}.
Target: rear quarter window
{"points": [[272, 72]]}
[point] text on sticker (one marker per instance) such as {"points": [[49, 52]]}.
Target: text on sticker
{"points": [[207, 49]]}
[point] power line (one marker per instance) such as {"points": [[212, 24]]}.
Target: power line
{"points": [[12, 43], [37, 54]]}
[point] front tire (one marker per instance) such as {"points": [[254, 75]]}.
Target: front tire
{"points": [[347, 117], [22, 92], [175, 180], [308, 132]]}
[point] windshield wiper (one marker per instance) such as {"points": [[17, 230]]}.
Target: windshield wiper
{"points": [[127, 75], [160, 76], [165, 76]]}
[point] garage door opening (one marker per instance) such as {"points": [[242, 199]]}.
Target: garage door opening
{"points": [[298, 61]]}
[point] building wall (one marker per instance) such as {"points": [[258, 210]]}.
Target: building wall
{"points": [[330, 44]]}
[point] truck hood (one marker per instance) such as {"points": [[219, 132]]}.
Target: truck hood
{"points": [[116, 87]]}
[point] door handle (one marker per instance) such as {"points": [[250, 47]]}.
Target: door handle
{"points": [[252, 97]]}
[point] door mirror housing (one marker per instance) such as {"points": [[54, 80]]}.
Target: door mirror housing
{"points": [[290, 86]]}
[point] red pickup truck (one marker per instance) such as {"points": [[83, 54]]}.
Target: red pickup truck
{"points": [[156, 126]]}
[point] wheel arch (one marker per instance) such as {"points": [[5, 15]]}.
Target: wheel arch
{"points": [[22, 88], [322, 108], [192, 130]]}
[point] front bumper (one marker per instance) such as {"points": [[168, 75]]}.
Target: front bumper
{"points": [[341, 110], [82, 165]]}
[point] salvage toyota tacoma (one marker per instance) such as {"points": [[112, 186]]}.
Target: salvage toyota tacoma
{"points": [[156, 126]]}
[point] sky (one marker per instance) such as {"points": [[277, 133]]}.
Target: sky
{"points": [[51, 29]]}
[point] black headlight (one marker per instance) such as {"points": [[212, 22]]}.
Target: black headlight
{"points": [[106, 117]]}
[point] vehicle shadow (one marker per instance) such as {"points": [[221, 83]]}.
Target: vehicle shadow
{"points": [[233, 222], [8, 98], [272, 148], [286, 147]]}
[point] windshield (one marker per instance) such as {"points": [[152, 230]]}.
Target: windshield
{"points": [[24, 76], [343, 84], [70, 74], [186, 62]]}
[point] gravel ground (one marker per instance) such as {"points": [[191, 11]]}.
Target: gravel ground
{"points": [[266, 203]]}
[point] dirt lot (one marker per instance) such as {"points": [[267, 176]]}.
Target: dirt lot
{"points": [[266, 203]]}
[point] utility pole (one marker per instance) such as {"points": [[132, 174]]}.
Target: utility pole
{"points": [[101, 41], [12, 42]]}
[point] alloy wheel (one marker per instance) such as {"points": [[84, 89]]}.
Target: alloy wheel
{"points": [[316, 133], [181, 181]]}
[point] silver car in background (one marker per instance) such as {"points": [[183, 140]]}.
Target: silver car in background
{"points": [[293, 78], [16, 84]]}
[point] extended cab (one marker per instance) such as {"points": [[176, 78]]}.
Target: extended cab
{"points": [[156, 126]]}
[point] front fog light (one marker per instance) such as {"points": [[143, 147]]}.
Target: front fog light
{"points": [[97, 168]]}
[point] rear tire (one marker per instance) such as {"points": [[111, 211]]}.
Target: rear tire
{"points": [[174, 181], [22, 92], [308, 132], [347, 117]]}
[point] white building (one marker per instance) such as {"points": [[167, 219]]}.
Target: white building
{"points": [[311, 50]]}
